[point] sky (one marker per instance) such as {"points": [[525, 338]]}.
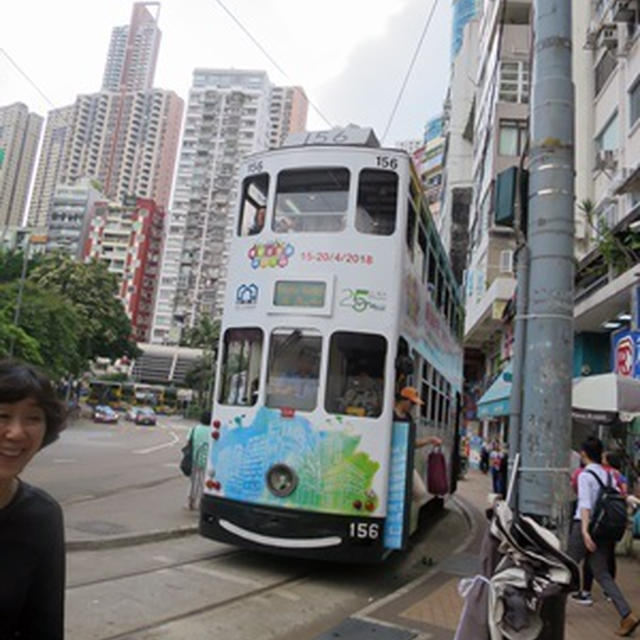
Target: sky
{"points": [[349, 55]]}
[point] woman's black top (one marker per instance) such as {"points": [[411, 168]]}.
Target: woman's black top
{"points": [[32, 567]]}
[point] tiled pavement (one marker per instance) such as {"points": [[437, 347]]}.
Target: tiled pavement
{"points": [[430, 607]]}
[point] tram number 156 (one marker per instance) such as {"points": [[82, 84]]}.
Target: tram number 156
{"points": [[364, 530]]}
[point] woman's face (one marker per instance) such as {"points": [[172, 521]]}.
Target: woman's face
{"points": [[22, 429]]}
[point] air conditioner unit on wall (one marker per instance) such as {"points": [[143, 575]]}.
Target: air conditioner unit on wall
{"points": [[608, 36], [624, 10], [592, 35], [506, 261], [607, 159]]}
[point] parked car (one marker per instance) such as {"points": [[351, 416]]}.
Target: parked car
{"points": [[145, 415], [104, 413]]}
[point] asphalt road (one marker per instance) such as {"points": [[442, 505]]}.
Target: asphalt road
{"points": [[192, 587]]}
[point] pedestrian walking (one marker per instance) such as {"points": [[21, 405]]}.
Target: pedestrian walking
{"points": [[32, 555], [484, 458], [495, 462], [582, 544], [197, 449]]}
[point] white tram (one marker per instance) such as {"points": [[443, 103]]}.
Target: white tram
{"points": [[338, 293]]}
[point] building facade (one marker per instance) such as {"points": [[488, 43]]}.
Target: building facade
{"points": [[128, 238], [71, 210], [126, 141], [133, 51], [288, 110], [19, 137], [227, 118], [57, 135]]}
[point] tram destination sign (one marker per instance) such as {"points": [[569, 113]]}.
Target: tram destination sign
{"points": [[299, 293], [350, 136]]}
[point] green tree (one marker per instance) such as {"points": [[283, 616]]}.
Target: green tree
{"points": [[11, 264], [200, 378], [103, 328], [204, 335], [50, 323], [15, 342]]}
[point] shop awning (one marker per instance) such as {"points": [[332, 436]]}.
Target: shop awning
{"points": [[608, 394], [495, 401], [601, 398]]}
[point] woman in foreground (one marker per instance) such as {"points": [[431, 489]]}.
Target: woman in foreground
{"points": [[32, 556]]}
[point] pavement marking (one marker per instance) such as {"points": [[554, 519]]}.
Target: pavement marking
{"points": [[224, 575], [159, 446], [64, 460], [171, 465], [287, 595]]}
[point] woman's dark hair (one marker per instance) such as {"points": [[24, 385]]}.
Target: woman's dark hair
{"points": [[19, 381], [593, 448], [205, 418]]}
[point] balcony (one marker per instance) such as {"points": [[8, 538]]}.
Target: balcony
{"points": [[484, 317]]}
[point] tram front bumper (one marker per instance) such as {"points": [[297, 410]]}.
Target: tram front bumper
{"points": [[304, 534]]}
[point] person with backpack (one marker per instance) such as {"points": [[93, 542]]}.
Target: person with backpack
{"points": [[194, 458], [600, 520]]}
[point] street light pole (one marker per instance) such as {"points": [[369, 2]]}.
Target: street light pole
{"points": [[548, 362]]}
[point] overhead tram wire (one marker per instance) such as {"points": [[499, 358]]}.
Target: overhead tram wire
{"points": [[27, 78], [269, 57], [410, 69]]}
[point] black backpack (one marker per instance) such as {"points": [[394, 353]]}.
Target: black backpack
{"points": [[609, 515]]}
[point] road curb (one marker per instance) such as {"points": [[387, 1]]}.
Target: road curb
{"points": [[130, 540]]}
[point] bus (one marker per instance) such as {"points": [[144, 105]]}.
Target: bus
{"points": [[338, 294]]}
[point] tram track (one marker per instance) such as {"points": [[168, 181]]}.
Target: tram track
{"points": [[150, 570], [207, 608]]}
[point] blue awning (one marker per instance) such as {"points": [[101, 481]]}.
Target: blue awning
{"points": [[496, 399]]}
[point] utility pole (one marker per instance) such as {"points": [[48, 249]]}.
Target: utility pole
{"points": [[548, 354]]}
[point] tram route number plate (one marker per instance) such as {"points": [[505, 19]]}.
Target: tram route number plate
{"points": [[364, 530]]}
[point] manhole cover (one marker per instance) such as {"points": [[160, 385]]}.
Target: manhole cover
{"points": [[100, 527], [354, 629]]}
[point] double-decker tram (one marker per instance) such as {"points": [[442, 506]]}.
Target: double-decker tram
{"points": [[338, 294]]}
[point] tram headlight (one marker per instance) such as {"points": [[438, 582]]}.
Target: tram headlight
{"points": [[281, 480]]}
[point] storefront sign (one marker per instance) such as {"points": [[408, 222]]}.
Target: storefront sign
{"points": [[626, 353]]}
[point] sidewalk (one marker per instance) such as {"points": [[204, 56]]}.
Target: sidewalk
{"points": [[133, 516], [430, 607]]}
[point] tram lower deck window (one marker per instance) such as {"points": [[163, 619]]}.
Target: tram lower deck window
{"points": [[241, 358], [311, 200], [355, 378], [294, 369]]}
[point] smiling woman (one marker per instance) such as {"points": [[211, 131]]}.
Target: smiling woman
{"points": [[32, 562]]}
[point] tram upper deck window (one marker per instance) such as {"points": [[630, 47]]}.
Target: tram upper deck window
{"points": [[377, 199], [313, 200], [294, 369], [241, 358], [355, 379], [254, 204]]}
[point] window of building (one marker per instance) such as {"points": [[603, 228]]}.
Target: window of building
{"points": [[311, 200], [355, 380], [634, 103], [293, 373], [604, 69], [377, 199], [241, 358], [512, 137], [253, 209], [607, 139], [514, 82]]}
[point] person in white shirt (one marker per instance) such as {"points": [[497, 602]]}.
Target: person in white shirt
{"points": [[582, 544]]}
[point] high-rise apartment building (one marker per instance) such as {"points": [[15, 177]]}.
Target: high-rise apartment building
{"points": [[133, 51], [70, 212], [128, 238], [126, 136], [287, 113], [19, 136], [127, 141], [57, 135], [227, 118]]}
